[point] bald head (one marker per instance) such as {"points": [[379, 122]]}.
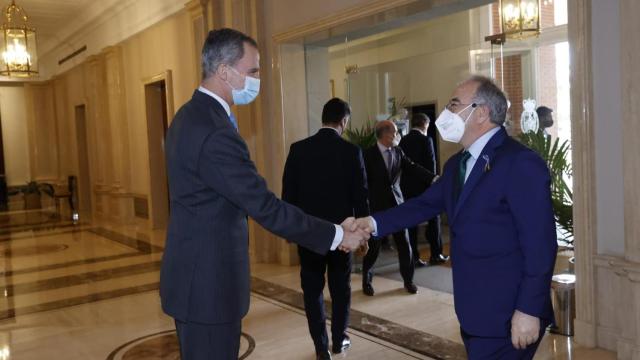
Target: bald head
{"points": [[386, 131]]}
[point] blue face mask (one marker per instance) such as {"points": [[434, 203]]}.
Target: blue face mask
{"points": [[248, 93]]}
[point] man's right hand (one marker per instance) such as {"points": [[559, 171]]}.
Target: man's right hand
{"points": [[354, 237], [366, 224]]}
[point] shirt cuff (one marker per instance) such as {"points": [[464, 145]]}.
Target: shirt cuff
{"points": [[337, 239], [375, 226]]}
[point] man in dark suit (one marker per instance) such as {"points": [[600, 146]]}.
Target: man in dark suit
{"points": [[385, 163], [503, 238], [419, 148], [214, 187], [324, 175]]}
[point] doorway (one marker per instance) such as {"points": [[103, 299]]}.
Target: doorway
{"points": [[159, 105], [84, 176], [4, 194], [430, 111]]}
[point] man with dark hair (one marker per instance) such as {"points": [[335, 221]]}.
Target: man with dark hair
{"points": [[324, 175], [385, 163], [214, 187], [545, 119], [419, 148], [497, 196]]}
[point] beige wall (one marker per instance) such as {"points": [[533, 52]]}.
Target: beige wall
{"points": [[164, 46], [14, 134], [111, 86]]}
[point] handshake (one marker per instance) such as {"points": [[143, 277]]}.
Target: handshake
{"points": [[356, 234]]}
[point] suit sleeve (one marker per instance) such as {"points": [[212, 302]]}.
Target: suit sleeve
{"points": [[413, 211], [359, 189], [225, 166], [412, 169], [529, 198], [289, 184]]}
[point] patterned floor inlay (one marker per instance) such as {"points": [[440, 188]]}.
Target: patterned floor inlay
{"points": [[164, 346], [6, 251], [400, 335], [78, 300], [140, 244]]}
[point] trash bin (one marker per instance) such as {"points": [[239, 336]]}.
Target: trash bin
{"points": [[563, 288]]}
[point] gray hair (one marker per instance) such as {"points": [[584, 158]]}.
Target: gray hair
{"points": [[223, 46], [490, 95]]}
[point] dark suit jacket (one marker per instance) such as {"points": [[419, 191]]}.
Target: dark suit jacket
{"points": [[384, 189], [503, 235], [418, 148], [324, 175], [214, 186]]}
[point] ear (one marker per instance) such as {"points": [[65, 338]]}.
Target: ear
{"points": [[223, 72], [484, 114]]}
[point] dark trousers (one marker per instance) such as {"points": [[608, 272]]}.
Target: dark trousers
{"points": [[432, 234], [492, 348], [208, 341], [312, 270], [405, 257]]}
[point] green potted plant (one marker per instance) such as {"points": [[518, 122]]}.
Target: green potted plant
{"points": [[556, 154], [364, 137]]}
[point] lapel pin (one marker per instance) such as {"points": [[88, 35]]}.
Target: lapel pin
{"points": [[487, 165]]}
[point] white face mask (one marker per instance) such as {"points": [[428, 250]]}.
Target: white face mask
{"points": [[451, 126], [396, 140], [248, 93]]}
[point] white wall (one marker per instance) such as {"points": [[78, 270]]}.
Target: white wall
{"points": [[14, 134], [607, 115]]}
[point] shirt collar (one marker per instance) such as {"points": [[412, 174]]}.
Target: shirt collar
{"points": [[382, 147], [476, 148], [332, 128], [218, 98], [420, 131]]}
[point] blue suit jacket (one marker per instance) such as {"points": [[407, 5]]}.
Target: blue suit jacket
{"points": [[214, 187], [503, 237]]}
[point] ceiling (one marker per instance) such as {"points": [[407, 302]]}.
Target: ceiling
{"points": [[49, 16]]}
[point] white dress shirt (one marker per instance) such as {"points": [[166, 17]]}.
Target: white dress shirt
{"points": [[476, 149], [385, 151]]}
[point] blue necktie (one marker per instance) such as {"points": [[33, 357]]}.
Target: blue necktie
{"points": [[233, 120]]}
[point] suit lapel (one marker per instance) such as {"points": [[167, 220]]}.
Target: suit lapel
{"points": [[382, 166], [478, 170], [395, 166]]}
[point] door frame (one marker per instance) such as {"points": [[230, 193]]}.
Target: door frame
{"points": [[157, 196]]}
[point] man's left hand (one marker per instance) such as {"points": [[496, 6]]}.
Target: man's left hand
{"points": [[525, 330]]}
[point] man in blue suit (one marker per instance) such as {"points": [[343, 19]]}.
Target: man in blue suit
{"points": [[214, 187], [496, 193]]}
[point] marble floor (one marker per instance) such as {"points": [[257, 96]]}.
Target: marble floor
{"points": [[89, 291]]}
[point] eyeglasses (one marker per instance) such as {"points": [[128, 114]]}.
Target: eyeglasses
{"points": [[453, 106]]}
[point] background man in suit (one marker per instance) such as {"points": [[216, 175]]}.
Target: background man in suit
{"points": [[385, 162], [324, 175], [503, 237], [419, 148], [545, 118], [214, 186]]}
